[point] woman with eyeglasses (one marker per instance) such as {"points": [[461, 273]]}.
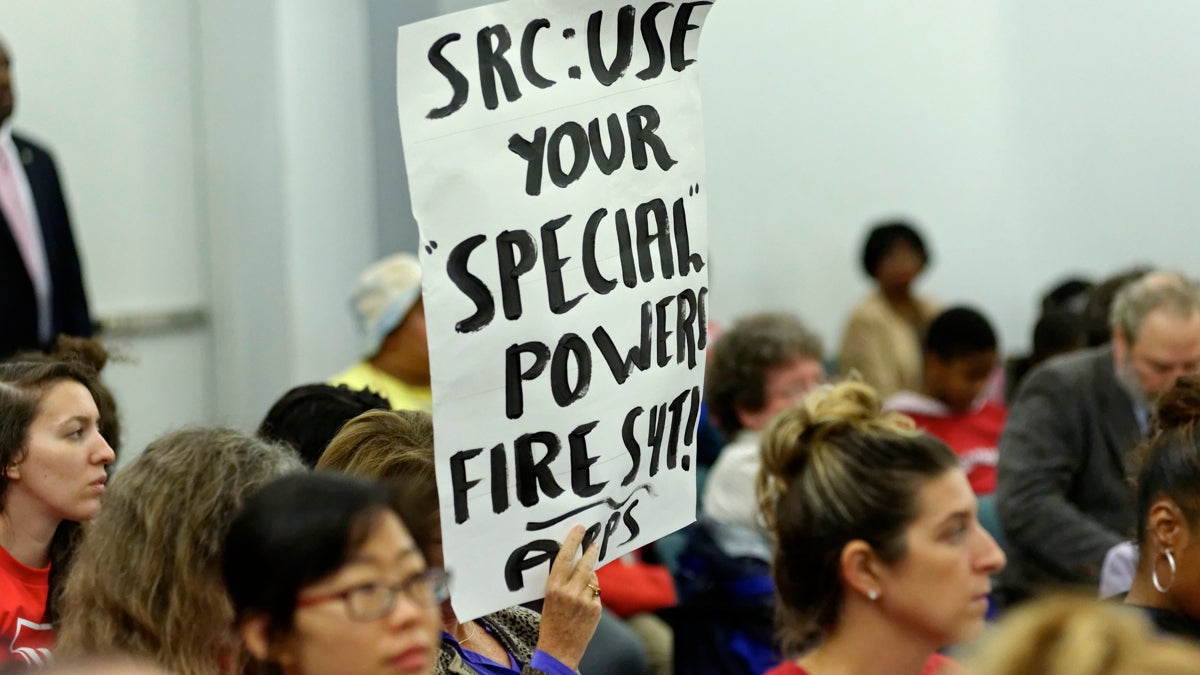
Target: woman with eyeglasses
{"points": [[325, 579], [397, 447]]}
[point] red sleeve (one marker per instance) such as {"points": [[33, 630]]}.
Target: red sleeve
{"points": [[786, 668], [938, 664], [632, 586]]}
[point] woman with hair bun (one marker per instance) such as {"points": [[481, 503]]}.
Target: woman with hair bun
{"points": [[880, 558], [325, 579], [1167, 581]]}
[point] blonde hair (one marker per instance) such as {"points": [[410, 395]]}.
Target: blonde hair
{"points": [[394, 446], [836, 469], [147, 578], [1074, 635]]}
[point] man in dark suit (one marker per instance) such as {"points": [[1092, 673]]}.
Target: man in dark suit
{"points": [[41, 284], [1065, 454]]}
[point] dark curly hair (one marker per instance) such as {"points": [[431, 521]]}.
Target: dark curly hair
{"points": [[883, 236], [307, 417]]}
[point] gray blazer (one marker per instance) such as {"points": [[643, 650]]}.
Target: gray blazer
{"points": [[1062, 491]]}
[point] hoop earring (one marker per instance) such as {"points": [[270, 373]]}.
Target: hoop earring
{"points": [[1158, 585]]}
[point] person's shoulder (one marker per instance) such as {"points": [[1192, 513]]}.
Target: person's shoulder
{"points": [[867, 316], [517, 621], [915, 404], [991, 409], [872, 305], [1077, 366], [942, 665], [787, 668], [355, 376], [1082, 359]]}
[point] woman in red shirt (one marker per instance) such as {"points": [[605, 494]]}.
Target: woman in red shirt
{"points": [[881, 560], [53, 460]]}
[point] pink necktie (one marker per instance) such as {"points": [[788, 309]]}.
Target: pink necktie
{"points": [[28, 240]]}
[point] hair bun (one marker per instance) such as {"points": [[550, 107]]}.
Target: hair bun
{"points": [[1179, 406], [88, 351], [793, 439]]}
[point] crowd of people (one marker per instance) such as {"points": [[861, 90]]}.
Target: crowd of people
{"points": [[869, 511]]}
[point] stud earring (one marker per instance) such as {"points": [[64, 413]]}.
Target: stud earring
{"points": [[873, 594]]}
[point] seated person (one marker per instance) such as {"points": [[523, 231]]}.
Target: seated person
{"points": [[391, 316], [725, 621], [1168, 524], [54, 459], [763, 364], [92, 353], [880, 560], [397, 447], [147, 581], [325, 579], [960, 356], [1067, 448]]}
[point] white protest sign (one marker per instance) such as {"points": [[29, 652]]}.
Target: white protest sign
{"points": [[556, 166]]}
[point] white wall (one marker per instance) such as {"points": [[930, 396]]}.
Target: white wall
{"points": [[217, 156], [242, 157], [108, 87], [1108, 139], [1030, 140], [290, 203], [330, 193]]}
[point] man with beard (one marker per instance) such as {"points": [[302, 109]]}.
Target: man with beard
{"points": [[1066, 450], [41, 285]]}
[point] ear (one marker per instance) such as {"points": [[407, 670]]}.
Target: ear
{"points": [[13, 471], [860, 569], [255, 631], [1167, 525]]}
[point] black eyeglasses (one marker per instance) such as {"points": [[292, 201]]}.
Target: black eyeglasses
{"points": [[369, 602]]}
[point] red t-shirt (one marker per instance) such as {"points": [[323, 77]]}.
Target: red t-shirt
{"points": [[23, 592], [932, 667], [973, 435]]}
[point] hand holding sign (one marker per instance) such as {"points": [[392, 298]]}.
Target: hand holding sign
{"points": [[572, 607], [565, 285]]}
